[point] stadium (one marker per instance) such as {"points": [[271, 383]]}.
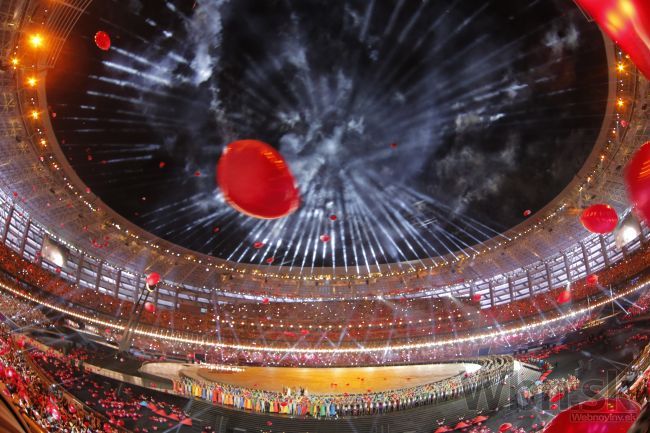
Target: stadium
{"points": [[324, 216]]}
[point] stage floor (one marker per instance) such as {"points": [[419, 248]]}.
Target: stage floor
{"points": [[352, 380]]}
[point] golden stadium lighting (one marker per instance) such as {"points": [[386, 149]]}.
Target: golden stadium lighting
{"points": [[34, 114], [31, 81], [14, 62], [43, 142], [620, 67], [36, 40], [620, 103]]}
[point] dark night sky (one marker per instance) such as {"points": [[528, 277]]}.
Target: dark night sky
{"points": [[493, 111]]}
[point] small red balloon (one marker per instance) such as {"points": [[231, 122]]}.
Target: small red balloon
{"points": [[624, 123], [325, 238], [256, 180], [153, 279], [557, 397], [149, 307], [564, 297], [599, 416], [102, 40], [599, 218], [637, 181]]}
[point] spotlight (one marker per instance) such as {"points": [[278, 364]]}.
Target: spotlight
{"points": [[31, 81], [627, 231], [34, 114], [36, 40]]}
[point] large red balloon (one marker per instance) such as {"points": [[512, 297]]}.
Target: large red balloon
{"points": [[102, 40], [599, 218], [256, 180], [599, 416], [637, 180], [627, 22]]}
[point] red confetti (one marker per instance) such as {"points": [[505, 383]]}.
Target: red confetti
{"points": [[258, 245], [333, 217], [197, 173], [270, 260], [393, 145], [325, 238], [265, 301], [161, 164], [624, 123], [215, 230], [90, 157], [527, 212], [87, 190]]}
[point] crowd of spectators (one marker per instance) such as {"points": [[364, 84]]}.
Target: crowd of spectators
{"points": [[133, 407], [36, 398], [368, 320]]}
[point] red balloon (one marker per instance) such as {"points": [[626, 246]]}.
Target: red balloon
{"points": [[599, 218], [527, 212], [256, 180], [149, 307], [564, 297], [592, 279], [637, 180], [627, 22], [102, 40], [153, 279], [557, 397], [505, 427], [600, 416]]}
